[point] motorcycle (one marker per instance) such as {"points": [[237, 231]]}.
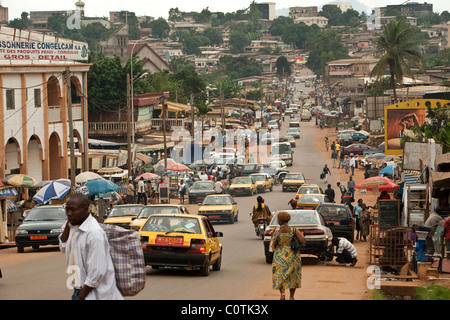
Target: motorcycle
{"points": [[260, 229]]}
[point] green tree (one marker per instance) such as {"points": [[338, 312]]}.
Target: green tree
{"points": [[23, 23], [160, 28], [279, 25], [327, 47], [238, 41], [332, 13], [399, 47], [283, 67], [214, 36]]}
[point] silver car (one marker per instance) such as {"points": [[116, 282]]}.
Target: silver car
{"points": [[318, 235], [294, 132]]}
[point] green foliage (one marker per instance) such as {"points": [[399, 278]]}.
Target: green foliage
{"points": [[23, 23], [238, 41], [327, 47], [433, 292], [399, 46], [283, 67], [160, 28]]}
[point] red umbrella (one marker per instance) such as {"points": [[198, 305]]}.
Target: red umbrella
{"points": [[177, 167], [382, 183], [148, 176]]}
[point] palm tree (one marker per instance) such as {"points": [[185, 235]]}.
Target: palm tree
{"points": [[399, 47], [202, 110]]}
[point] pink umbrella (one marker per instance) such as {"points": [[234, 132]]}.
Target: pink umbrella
{"points": [[148, 176], [382, 183], [177, 167]]}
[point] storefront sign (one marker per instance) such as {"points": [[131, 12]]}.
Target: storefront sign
{"points": [[16, 44]]}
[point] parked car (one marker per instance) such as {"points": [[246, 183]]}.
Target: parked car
{"points": [[42, 226], [147, 211], [293, 181], [248, 169], [358, 148], [219, 207], [295, 132], [311, 223], [181, 241], [199, 190], [264, 181], [242, 185], [122, 215], [359, 136], [339, 219], [344, 139]]}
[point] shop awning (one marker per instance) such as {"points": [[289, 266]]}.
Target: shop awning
{"points": [[7, 192], [11, 206]]}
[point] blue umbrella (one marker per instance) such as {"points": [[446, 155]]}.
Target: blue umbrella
{"points": [[56, 189], [97, 186], [387, 170]]}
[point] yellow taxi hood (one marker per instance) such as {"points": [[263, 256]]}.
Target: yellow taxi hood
{"points": [[222, 207], [293, 181], [124, 219]]}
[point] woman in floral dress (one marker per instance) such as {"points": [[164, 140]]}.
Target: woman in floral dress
{"points": [[287, 263]]}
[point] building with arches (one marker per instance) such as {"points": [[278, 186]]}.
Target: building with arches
{"points": [[34, 130]]}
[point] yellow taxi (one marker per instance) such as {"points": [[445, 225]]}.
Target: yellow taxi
{"points": [[181, 241], [219, 207], [288, 112], [278, 164], [264, 181], [308, 189], [291, 140], [294, 123], [139, 221], [122, 215], [310, 201], [293, 181], [306, 115], [242, 185]]}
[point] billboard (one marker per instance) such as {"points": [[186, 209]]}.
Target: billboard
{"points": [[401, 117], [17, 44]]}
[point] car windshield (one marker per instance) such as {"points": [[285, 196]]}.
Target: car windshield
{"points": [[305, 217], [333, 211], [306, 190], [125, 211], [46, 214], [295, 176], [147, 211], [214, 200], [202, 185], [242, 180], [259, 177], [172, 224], [311, 198], [281, 148]]}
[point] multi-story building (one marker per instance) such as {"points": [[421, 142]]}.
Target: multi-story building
{"points": [[4, 16], [267, 9], [297, 12]]}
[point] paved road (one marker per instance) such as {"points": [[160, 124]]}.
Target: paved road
{"points": [[244, 273]]}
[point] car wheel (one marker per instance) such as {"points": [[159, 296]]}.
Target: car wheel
{"points": [[271, 188], [218, 264], [204, 269], [236, 217], [232, 219], [20, 248]]}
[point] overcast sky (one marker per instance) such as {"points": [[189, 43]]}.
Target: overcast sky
{"points": [[158, 8]]}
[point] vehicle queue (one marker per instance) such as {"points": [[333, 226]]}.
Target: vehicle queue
{"points": [[173, 237]]}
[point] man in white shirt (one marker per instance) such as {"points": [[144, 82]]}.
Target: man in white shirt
{"points": [[87, 252], [218, 186], [345, 252]]}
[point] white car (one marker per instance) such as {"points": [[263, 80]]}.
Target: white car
{"points": [[224, 153], [318, 235], [273, 124]]}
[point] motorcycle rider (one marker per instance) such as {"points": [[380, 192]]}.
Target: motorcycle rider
{"points": [[260, 210]]}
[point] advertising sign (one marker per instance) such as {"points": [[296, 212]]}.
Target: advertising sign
{"points": [[16, 44], [401, 117]]}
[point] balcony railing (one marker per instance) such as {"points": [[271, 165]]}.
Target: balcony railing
{"points": [[140, 127]]}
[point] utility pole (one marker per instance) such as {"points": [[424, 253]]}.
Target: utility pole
{"points": [[222, 110], [192, 115], [70, 118], [130, 163], [164, 108]]}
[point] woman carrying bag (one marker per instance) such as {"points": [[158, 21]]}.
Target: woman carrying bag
{"points": [[287, 262]]}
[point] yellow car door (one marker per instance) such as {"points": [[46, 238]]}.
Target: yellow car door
{"points": [[212, 242]]}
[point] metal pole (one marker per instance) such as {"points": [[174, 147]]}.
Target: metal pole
{"points": [[164, 107], [130, 163], [71, 142]]}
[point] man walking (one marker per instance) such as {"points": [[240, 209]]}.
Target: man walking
{"points": [[87, 254], [351, 186], [352, 164], [330, 193], [141, 191], [343, 190], [324, 174]]}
